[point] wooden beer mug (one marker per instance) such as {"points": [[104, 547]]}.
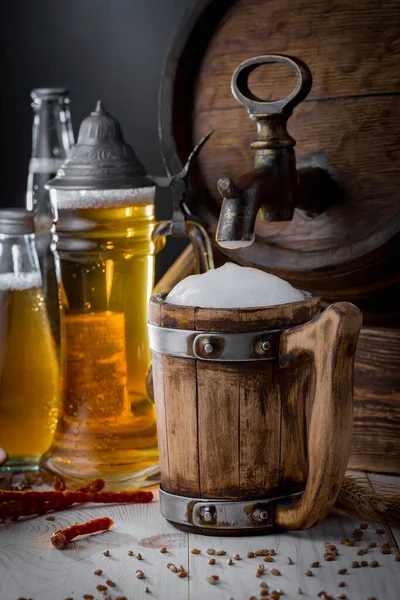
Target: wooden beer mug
{"points": [[254, 412]]}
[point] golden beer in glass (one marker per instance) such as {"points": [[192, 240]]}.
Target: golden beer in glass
{"points": [[29, 376], [29, 346]]}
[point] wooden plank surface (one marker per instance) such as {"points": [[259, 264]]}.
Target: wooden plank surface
{"points": [[31, 568], [377, 400], [239, 580], [388, 485]]}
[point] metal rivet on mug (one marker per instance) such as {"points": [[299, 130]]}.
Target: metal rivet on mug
{"points": [[207, 514], [208, 347], [265, 345]]}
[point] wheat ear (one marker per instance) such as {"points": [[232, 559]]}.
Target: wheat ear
{"points": [[368, 505]]}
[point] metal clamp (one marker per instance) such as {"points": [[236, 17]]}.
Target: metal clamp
{"points": [[219, 516], [215, 346], [178, 184]]}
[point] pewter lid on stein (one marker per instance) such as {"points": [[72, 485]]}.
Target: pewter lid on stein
{"points": [[101, 159], [16, 221]]}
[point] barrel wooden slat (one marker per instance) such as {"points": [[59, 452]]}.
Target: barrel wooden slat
{"points": [[323, 34], [376, 438], [180, 396], [260, 418], [218, 397]]}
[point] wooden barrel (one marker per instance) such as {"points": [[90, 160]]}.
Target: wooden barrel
{"points": [[237, 427], [350, 118]]}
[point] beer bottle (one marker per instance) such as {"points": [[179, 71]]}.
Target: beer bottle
{"points": [[29, 370], [52, 138]]}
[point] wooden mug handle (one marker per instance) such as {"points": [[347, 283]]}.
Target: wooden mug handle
{"points": [[330, 339]]}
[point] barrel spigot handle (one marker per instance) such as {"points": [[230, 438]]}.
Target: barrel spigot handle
{"points": [[272, 187], [267, 109]]}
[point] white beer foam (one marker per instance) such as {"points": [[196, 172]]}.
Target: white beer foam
{"points": [[78, 199], [232, 286], [237, 243], [20, 281]]}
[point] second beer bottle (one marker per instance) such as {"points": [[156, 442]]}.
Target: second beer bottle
{"points": [[52, 139]]}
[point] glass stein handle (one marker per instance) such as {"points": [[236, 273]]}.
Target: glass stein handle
{"points": [[182, 226], [200, 252]]}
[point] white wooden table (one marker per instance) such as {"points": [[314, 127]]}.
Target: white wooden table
{"points": [[30, 567]]}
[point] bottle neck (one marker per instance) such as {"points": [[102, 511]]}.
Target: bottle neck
{"points": [[19, 263], [52, 135], [52, 139]]}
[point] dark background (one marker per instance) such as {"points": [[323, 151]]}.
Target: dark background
{"points": [[112, 50]]}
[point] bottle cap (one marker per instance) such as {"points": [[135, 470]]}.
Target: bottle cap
{"points": [[16, 221], [40, 94], [101, 159]]}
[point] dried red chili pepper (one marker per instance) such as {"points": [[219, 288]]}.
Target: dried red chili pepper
{"points": [[32, 502], [61, 537], [75, 496]]}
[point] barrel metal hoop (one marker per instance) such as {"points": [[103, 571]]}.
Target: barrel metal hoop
{"points": [[215, 346], [223, 515]]}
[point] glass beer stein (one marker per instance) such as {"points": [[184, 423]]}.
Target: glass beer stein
{"points": [[107, 242], [29, 352]]}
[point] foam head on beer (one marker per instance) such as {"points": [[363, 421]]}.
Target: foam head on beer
{"points": [[232, 286]]}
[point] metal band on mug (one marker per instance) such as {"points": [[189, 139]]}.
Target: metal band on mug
{"points": [[222, 515], [215, 346]]}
